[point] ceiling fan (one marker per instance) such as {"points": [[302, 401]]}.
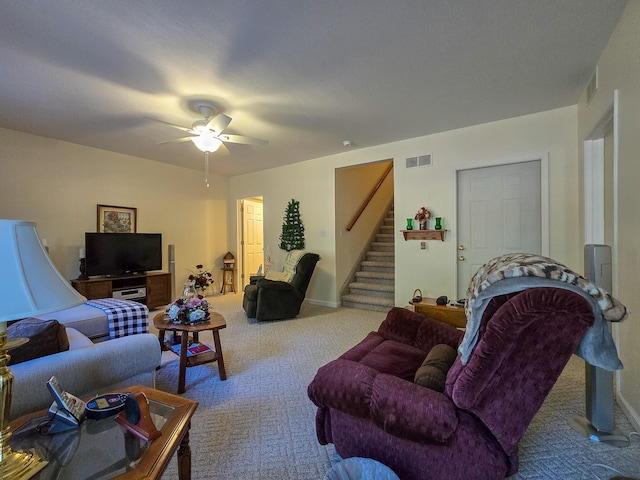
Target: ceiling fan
{"points": [[206, 134]]}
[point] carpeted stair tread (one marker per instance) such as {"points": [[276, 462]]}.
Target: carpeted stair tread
{"points": [[378, 263], [381, 255], [385, 245], [384, 237], [372, 286], [365, 299], [376, 275]]}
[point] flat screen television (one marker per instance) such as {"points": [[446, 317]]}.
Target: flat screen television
{"points": [[116, 254]]}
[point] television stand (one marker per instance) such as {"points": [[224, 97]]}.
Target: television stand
{"points": [[154, 287]]}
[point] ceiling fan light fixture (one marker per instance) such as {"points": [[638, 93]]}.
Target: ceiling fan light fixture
{"points": [[206, 142]]}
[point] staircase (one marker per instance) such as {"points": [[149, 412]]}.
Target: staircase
{"points": [[374, 286]]}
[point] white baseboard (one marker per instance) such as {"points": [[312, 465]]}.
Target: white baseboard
{"points": [[322, 303], [629, 411]]}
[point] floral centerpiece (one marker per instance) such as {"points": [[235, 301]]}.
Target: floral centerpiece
{"points": [[422, 216], [186, 311], [201, 279]]}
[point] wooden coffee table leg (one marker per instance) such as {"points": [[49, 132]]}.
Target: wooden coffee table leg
{"points": [[161, 339], [220, 360], [183, 362], [184, 457]]}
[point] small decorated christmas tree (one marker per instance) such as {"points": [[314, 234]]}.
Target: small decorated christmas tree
{"points": [[292, 237]]}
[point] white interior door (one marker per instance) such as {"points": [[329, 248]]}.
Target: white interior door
{"points": [[499, 211], [253, 241]]}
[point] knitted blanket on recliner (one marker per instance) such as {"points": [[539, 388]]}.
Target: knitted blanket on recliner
{"points": [[518, 271]]}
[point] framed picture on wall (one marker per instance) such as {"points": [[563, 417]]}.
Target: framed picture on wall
{"points": [[112, 219]]}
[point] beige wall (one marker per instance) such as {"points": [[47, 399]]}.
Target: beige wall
{"points": [[58, 185], [619, 69], [312, 184], [524, 138], [432, 270]]}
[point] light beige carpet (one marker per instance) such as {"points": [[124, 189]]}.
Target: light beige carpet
{"points": [[259, 423]]}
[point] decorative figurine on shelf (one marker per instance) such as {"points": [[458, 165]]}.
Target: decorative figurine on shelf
{"points": [[422, 216]]}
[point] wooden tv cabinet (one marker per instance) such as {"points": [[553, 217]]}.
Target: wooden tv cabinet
{"points": [[157, 287]]}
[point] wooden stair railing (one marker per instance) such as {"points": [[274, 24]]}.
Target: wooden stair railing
{"points": [[374, 190]]}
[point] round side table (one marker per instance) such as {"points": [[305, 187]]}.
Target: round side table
{"points": [[216, 322]]}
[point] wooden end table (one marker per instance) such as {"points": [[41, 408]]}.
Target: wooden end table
{"points": [[103, 449], [216, 322], [228, 280], [444, 313]]}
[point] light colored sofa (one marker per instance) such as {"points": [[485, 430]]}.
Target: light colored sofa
{"points": [[86, 369], [90, 321]]}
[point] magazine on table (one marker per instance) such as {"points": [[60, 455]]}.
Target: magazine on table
{"points": [[193, 349]]}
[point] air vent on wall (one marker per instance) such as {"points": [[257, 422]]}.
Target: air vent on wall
{"points": [[592, 86], [420, 161]]}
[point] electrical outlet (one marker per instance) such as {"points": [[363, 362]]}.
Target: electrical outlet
{"points": [[423, 245]]}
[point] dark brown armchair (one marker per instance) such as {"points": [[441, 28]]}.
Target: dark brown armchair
{"points": [[266, 299]]}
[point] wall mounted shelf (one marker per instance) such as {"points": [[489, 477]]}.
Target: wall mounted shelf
{"points": [[423, 234]]}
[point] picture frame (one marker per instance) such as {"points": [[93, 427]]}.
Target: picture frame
{"points": [[113, 219]]}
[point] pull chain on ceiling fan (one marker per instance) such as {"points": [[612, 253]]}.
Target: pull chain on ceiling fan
{"points": [[206, 169]]}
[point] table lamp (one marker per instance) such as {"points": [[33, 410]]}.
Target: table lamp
{"points": [[29, 285]]}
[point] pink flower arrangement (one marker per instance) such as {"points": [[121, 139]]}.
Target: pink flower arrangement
{"points": [[192, 310], [422, 215]]}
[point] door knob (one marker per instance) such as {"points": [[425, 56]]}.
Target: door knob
{"points": [[461, 258], [461, 247]]}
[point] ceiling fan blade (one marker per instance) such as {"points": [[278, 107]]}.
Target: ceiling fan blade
{"points": [[242, 139], [219, 123], [176, 140], [179, 127], [222, 150]]}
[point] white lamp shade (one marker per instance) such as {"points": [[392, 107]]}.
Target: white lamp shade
{"points": [[29, 282], [206, 142]]}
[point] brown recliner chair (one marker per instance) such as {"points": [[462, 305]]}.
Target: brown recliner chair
{"points": [[266, 299]]}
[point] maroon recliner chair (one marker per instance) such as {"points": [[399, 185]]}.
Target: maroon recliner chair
{"points": [[369, 406]]}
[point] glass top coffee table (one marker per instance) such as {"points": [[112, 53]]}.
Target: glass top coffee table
{"points": [[103, 449]]}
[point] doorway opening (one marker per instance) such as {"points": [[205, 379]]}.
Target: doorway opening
{"points": [[600, 183], [251, 241], [600, 164]]}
